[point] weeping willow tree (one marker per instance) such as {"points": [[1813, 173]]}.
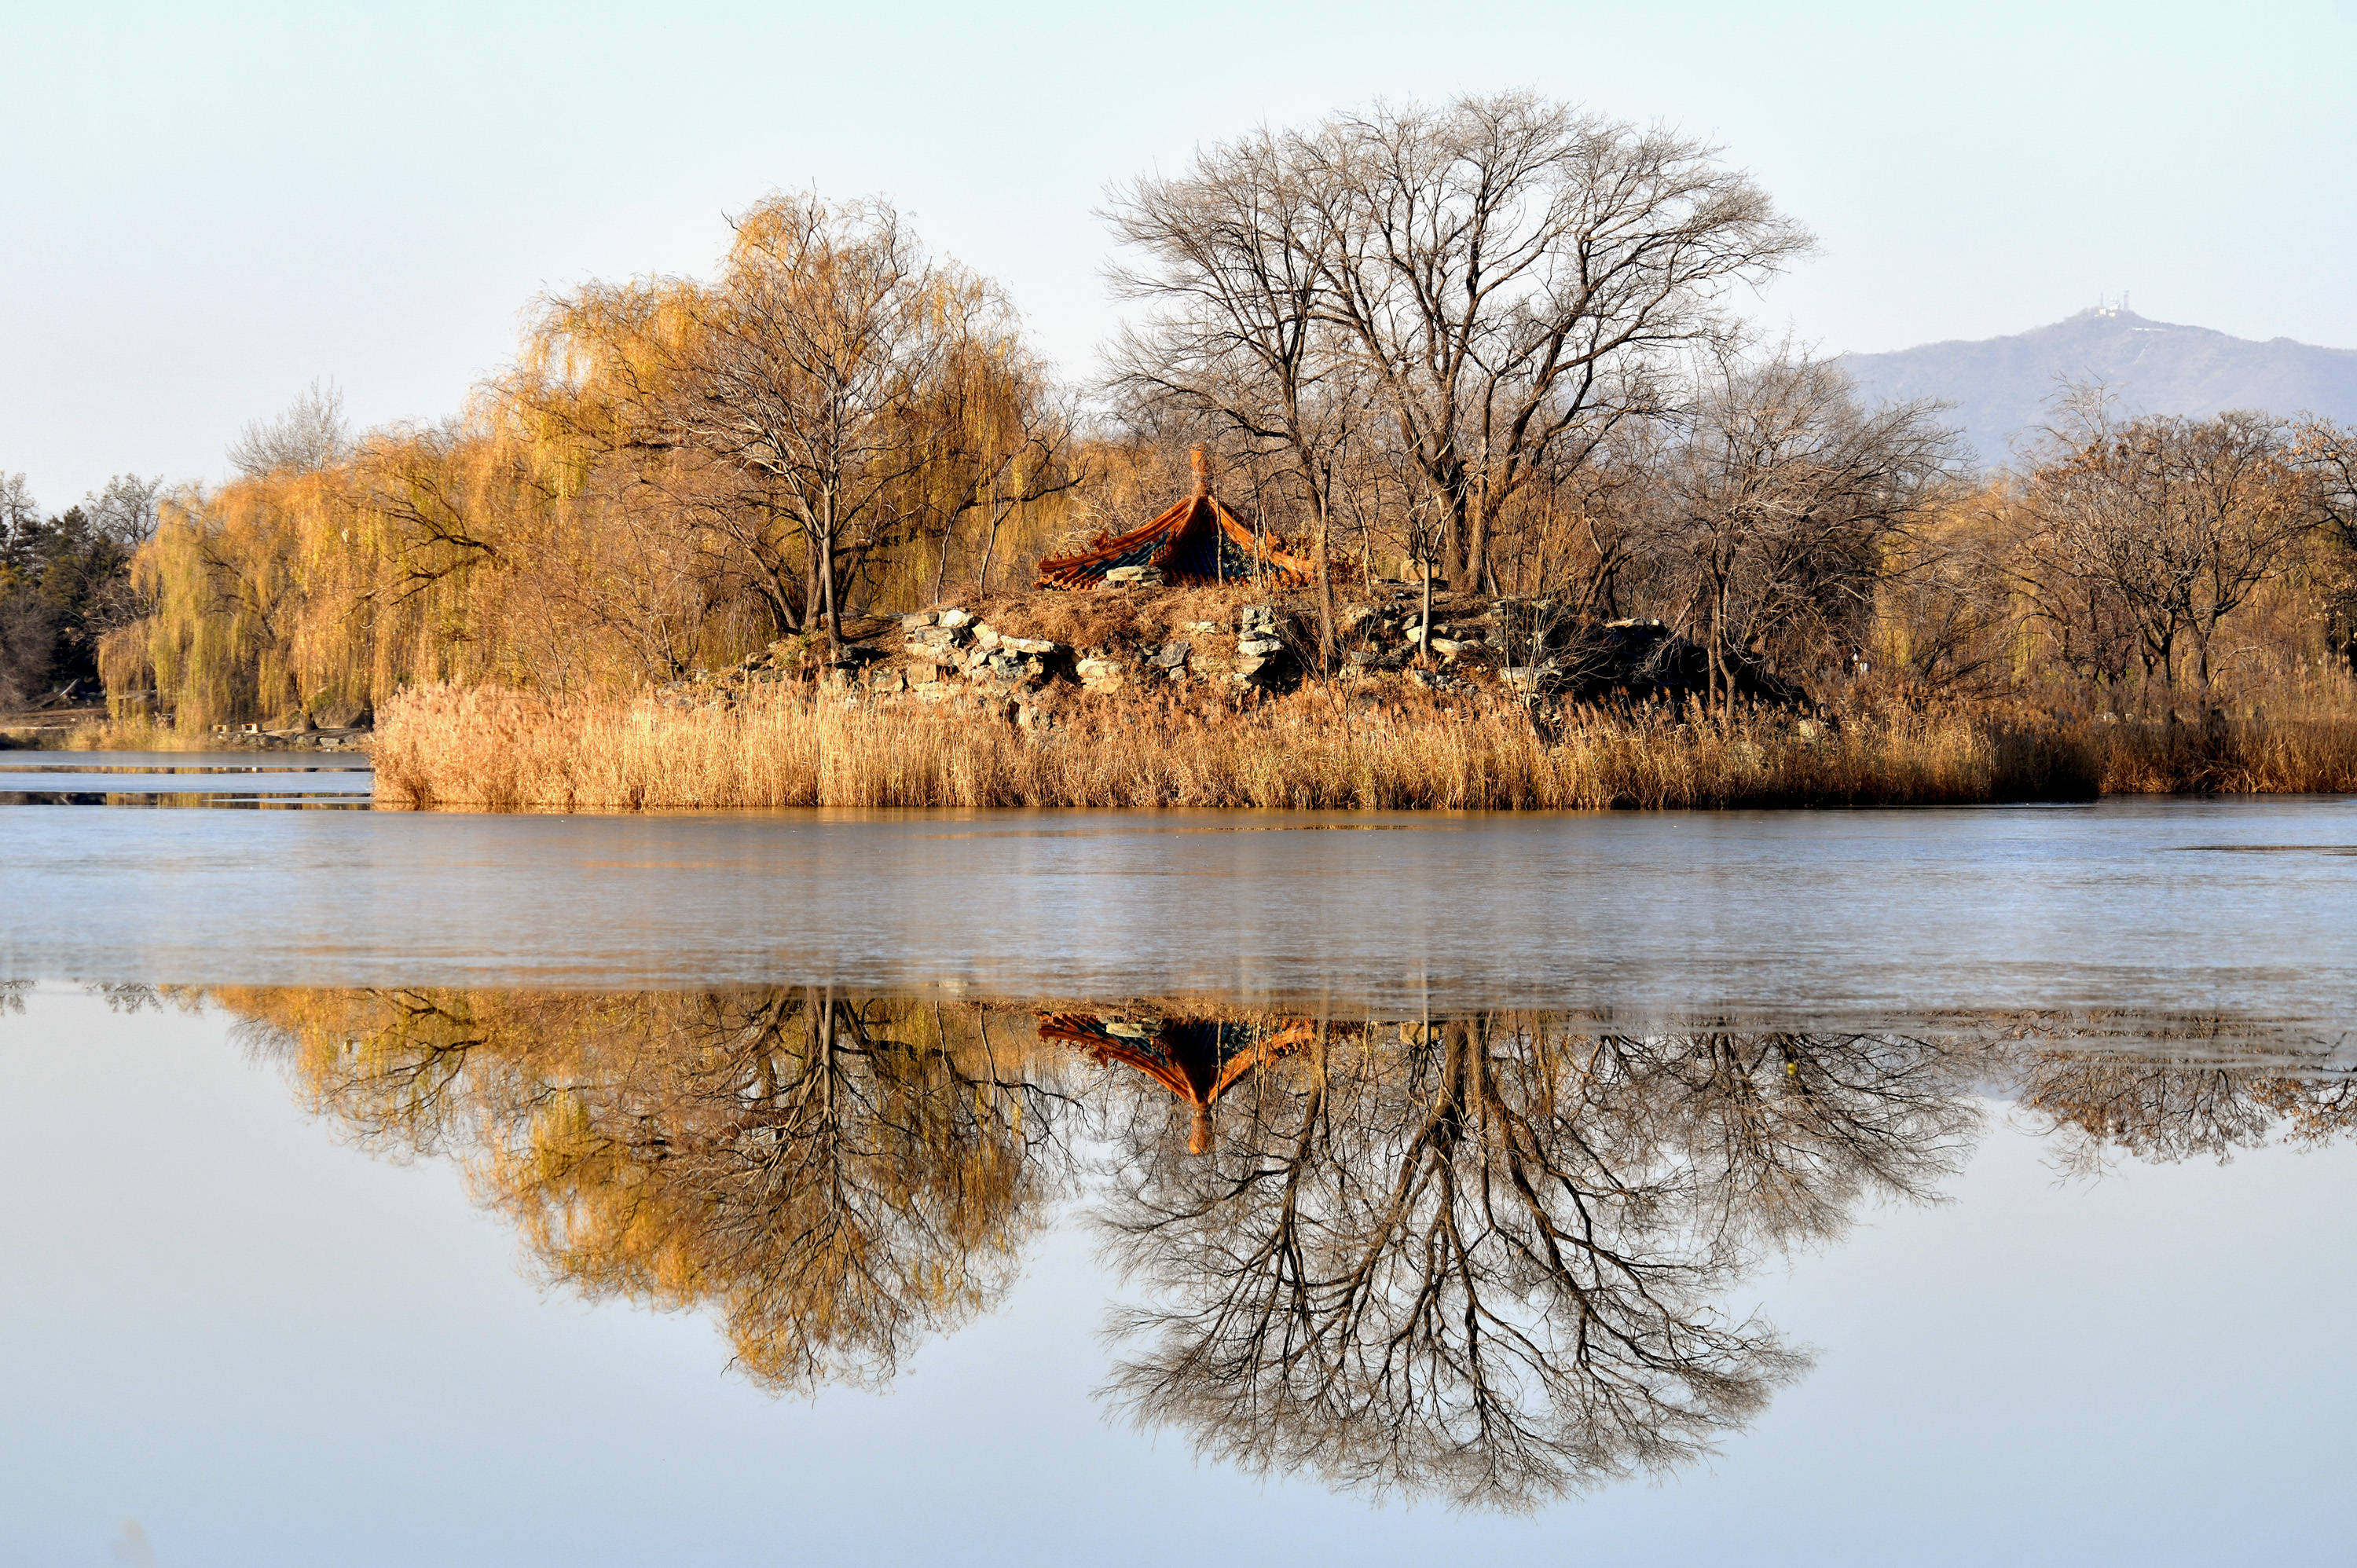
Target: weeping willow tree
{"points": [[674, 473], [293, 594], [237, 583], [835, 408]]}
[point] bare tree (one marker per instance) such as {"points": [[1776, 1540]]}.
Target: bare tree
{"points": [[837, 390], [121, 517], [125, 510], [311, 434], [19, 512], [1512, 272], [822, 336], [1782, 497], [2170, 523], [1239, 334], [2327, 453]]}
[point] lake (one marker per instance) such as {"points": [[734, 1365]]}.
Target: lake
{"points": [[1947, 1185]]}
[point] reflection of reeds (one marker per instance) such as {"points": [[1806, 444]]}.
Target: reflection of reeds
{"points": [[507, 750]]}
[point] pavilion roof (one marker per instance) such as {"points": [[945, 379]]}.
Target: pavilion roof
{"points": [[1197, 541]]}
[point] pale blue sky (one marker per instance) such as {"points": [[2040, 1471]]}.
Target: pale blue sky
{"points": [[203, 208]]}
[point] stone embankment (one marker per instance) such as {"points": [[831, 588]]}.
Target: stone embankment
{"points": [[1007, 657], [946, 651]]}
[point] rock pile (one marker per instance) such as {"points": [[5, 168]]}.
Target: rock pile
{"points": [[1261, 657], [1533, 646], [940, 650], [1529, 646], [774, 666], [253, 737], [946, 652]]}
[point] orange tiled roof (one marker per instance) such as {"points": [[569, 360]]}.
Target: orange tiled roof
{"points": [[1197, 541]]}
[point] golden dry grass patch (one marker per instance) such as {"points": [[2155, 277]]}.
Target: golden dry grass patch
{"points": [[506, 750]]}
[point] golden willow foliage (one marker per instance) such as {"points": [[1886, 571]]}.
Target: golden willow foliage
{"points": [[319, 592], [835, 1177], [674, 473]]}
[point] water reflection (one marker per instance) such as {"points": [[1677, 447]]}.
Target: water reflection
{"points": [[1488, 1257], [836, 1178], [1198, 1059], [2204, 1088], [261, 801], [1484, 1259]]}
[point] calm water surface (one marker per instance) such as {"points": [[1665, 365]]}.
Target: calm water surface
{"points": [[1941, 1187], [2239, 907]]}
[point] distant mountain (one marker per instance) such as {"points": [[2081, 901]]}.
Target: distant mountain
{"points": [[1999, 387]]}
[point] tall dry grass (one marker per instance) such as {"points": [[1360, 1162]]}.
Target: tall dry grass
{"points": [[507, 750], [2298, 755]]}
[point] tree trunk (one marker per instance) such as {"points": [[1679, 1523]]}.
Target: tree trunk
{"points": [[1424, 622], [1477, 548], [827, 576], [1325, 601], [1722, 674], [941, 571], [827, 587], [1448, 550], [989, 548], [814, 588], [990, 536]]}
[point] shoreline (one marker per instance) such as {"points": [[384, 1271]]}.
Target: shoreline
{"points": [[98, 733]]}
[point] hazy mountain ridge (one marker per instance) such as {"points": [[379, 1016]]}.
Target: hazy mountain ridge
{"points": [[1999, 387]]}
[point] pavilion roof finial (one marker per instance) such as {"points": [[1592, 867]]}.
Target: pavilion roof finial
{"points": [[1203, 461]]}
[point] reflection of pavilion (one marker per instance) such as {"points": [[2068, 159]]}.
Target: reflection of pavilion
{"points": [[1195, 542], [1198, 1061]]}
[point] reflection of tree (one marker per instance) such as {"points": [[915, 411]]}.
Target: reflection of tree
{"points": [[1483, 1262], [1486, 1258], [837, 1178], [2185, 1089]]}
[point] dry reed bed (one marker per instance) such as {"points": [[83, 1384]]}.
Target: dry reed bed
{"points": [[514, 751], [2279, 755]]}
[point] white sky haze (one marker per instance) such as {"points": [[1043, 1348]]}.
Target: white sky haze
{"points": [[207, 206]]}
